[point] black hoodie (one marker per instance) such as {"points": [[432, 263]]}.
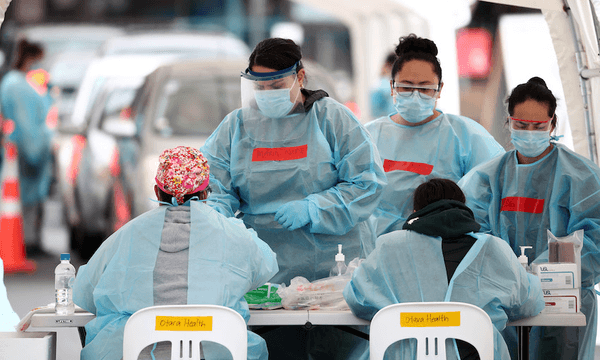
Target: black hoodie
{"points": [[452, 221]]}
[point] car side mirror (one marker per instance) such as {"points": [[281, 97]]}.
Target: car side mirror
{"points": [[117, 126]]}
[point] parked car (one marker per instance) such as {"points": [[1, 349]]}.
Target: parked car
{"points": [[179, 104], [130, 57], [104, 77], [90, 169]]}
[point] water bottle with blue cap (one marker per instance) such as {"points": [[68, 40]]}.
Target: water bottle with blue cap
{"points": [[64, 277]]}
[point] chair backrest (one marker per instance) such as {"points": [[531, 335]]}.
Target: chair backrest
{"points": [[185, 326], [431, 323]]}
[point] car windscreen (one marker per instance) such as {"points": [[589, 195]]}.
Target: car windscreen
{"points": [[195, 105], [118, 103]]}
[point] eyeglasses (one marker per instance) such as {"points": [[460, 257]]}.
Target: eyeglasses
{"points": [[531, 125], [403, 89]]}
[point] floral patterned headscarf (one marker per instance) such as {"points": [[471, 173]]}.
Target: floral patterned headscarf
{"points": [[181, 171]]}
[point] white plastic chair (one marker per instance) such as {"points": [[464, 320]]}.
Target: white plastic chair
{"points": [[475, 328], [228, 329]]}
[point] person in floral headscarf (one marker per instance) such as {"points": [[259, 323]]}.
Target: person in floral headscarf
{"points": [[182, 174], [163, 257]]}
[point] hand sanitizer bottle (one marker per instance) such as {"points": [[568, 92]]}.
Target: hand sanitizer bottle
{"points": [[523, 259], [340, 263]]}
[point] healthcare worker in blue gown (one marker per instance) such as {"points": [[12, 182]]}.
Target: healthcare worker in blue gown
{"points": [[382, 103], [540, 186], [22, 102], [300, 169], [418, 142], [440, 255], [183, 252]]}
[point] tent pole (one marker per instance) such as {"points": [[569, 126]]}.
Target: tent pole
{"points": [[579, 53]]}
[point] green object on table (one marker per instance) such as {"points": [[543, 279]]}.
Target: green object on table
{"points": [[262, 298]]}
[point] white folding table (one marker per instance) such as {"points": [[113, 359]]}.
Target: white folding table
{"points": [[46, 321]]}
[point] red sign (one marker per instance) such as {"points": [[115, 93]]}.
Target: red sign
{"points": [[280, 154], [415, 167], [522, 204]]}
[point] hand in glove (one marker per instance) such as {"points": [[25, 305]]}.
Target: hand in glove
{"points": [[293, 215]]}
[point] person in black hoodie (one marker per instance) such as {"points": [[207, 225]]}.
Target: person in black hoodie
{"points": [[440, 210], [440, 237]]}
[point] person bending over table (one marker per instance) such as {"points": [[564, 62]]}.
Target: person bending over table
{"points": [[181, 253], [298, 167], [441, 238]]}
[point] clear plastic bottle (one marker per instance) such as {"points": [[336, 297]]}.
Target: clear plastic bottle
{"points": [[64, 276], [340, 263]]}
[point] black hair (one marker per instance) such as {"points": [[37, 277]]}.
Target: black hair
{"points": [[163, 196], [26, 50], [434, 190], [276, 53], [534, 89], [390, 59], [412, 47]]}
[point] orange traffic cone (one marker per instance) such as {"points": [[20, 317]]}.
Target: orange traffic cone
{"points": [[12, 241]]}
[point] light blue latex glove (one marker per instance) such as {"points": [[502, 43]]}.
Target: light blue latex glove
{"points": [[293, 215]]}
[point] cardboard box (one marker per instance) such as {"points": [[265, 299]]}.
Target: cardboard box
{"points": [[562, 301], [557, 275]]}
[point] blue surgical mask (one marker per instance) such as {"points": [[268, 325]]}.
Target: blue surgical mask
{"points": [[415, 107], [530, 143], [274, 103]]}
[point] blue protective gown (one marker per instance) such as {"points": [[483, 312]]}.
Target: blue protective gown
{"points": [[561, 193], [323, 155], [382, 103], [409, 267], [446, 147], [226, 260], [28, 109]]}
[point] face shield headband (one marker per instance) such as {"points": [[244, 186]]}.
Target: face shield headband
{"points": [[280, 74]]}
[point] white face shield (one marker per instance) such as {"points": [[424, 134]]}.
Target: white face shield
{"points": [[275, 94]]}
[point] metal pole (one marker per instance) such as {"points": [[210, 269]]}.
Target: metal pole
{"points": [[592, 148]]}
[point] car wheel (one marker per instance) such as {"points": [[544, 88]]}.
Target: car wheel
{"points": [[85, 242]]}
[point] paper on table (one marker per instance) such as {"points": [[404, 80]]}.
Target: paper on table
{"points": [[26, 320]]}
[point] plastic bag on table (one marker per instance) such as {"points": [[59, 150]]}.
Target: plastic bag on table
{"points": [[323, 294], [263, 298]]}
